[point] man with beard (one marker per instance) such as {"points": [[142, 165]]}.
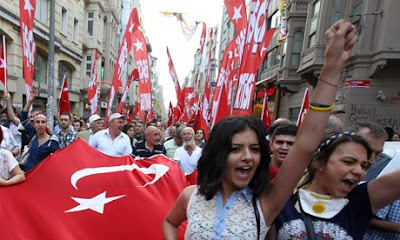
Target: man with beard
{"points": [[189, 154], [281, 142], [112, 141], [151, 144], [66, 134]]}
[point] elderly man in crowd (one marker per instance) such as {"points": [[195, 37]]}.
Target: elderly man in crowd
{"points": [[151, 144], [189, 154], [112, 141], [174, 143], [96, 124]]}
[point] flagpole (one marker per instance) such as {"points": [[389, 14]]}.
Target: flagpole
{"points": [[50, 84]]}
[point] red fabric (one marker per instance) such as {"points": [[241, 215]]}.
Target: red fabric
{"points": [[149, 116], [265, 113], [177, 113], [272, 172], [142, 62], [239, 19], [135, 111], [255, 49], [64, 98], [3, 62], [303, 109], [133, 77], [201, 118], [92, 89], [174, 76], [170, 114], [43, 207], [27, 16], [126, 46]]}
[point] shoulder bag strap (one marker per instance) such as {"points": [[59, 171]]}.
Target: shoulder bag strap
{"points": [[257, 213], [311, 235]]}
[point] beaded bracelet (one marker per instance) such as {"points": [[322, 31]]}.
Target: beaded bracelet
{"points": [[330, 84], [321, 109]]}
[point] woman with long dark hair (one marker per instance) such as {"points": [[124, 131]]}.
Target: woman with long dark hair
{"points": [[234, 198]]}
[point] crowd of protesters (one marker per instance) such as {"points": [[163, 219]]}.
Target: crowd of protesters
{"points": [[246, 173]]}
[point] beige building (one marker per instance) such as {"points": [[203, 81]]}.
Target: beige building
{"points": [[370, 86], [80, 28]]}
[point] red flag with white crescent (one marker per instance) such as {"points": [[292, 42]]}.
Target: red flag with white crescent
{"points": [[3, 62], [142, 62], [126, 47], [26, 18], [64, 105], [92, 89], [255, 48], [303, 109], [92, 196]]}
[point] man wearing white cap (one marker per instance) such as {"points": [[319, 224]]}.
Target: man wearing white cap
{"points": [[96, 124], [112, 141]]}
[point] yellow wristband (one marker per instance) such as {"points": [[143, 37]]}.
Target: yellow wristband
{"points": [[321, 109]]}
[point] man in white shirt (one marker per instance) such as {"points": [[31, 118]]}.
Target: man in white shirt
{"points": [[96, 124], [112, 141], [189, 154]]}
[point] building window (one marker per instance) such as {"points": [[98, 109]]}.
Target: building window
{"points": [[313, 24], [296, 48], [294, 114], [41, 11], [90, 19], [64, 20], [64, 68], [88, 68], [40, 67], [105, 30], [273, 58], [76, 30], [337, 15], [273, 21], [357, 11], [338, 3]]}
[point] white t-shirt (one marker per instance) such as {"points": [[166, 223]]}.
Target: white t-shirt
{"points": [[187, 163], [7, 163]]}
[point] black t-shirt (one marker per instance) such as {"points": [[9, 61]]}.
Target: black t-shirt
{"points": [[140, 150]]}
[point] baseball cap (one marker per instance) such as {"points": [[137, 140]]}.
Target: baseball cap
{"points": [[115, 116], [94, 118]]}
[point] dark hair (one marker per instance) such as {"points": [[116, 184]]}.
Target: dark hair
{"points": [[204, 136], [330, 143], [1, 134], [285, 129], [212, 164], [66, 114], [126, 127]]}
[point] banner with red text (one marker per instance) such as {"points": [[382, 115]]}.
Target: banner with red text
{"points": [[64, 105], [126, 47], [142, 63], [26, 18], [92, 196], [255, 49], [303, 109], [133, 77], [92, 89]]}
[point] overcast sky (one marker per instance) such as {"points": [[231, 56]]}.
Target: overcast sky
{"points": [[165, 31]]}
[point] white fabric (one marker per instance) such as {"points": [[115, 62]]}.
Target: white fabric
{"points": [[332, 205], [8, 142], [240, 223], [187, 163], [170, 146], [103, 142], [7, 163]]}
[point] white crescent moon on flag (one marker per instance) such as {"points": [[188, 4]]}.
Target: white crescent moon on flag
{"points": [[158, 169]]}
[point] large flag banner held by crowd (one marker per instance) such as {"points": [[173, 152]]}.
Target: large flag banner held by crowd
{"points": [[92, 196], [27, 15]]}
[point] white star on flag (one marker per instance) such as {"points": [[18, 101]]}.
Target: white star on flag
{"points": [[28, 6], [96, 203], [237, 15], [190, 96], [131, 27], [138, 45]]}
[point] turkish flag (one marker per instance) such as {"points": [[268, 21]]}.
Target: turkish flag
{"points": [[27, 16], [64, 98], [133, 77], [3, 63], [303, 109], [81, 193], [92, 89], [265, 113], [135, 111], [170, 114]]}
